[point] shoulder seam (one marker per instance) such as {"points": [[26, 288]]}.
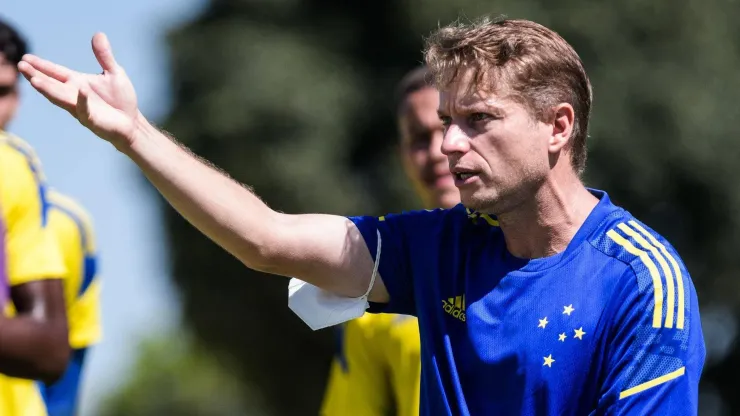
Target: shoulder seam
{"points": [[27, 151], [613, 256], [30, 158]]}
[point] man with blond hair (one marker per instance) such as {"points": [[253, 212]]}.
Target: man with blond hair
{"points": [[536, 295]]}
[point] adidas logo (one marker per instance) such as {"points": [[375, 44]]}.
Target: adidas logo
{"points": [[455, 307]]}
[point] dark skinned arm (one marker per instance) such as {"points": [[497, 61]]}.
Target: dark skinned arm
{"points": [[34, 343]]}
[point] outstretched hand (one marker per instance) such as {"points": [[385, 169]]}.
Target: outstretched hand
{"points": [[105, 103]]}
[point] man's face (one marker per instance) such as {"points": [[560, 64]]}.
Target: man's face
{"points": [[8, 91], [421, 142], [498, 152]]}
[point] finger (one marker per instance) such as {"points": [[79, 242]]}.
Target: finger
{"points": [[27, 69], [104, 53], [60, 94], [83, 109], [49, 68]]}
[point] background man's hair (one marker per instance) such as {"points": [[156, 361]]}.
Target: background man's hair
{"points": [[521, 59], [415, 80], [12, 45]]}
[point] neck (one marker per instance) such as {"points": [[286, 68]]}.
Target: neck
{"points": [[546, 224]]}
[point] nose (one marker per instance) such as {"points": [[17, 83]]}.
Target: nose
{"points": [[455, 140]]}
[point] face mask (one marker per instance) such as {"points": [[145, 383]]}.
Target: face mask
{"points": [[319, 308]]}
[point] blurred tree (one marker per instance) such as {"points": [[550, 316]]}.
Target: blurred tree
{"points": [[174, 376], [294, 99]]}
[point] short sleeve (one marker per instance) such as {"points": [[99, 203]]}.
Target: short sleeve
{"points": [[73, 228], [655, 358], [403, 240], [32, 252]]}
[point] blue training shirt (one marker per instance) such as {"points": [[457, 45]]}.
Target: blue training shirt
{"points": [[609, 326]]}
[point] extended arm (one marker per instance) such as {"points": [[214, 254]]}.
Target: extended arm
{"points": [[327, 251]]}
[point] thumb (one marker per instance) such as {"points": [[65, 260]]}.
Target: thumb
{"points": [[103, 52]]}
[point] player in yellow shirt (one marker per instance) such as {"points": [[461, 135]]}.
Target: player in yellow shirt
{"points": [[72, 237], [377, 366], [73, 228], [33, 329]]}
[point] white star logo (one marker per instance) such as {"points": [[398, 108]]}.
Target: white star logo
{"points": [[567, 310], [548, 361], [543, 323], [579, 333], [562, 337]]}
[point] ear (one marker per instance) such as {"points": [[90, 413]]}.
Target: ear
{"points": [[562, 127]]}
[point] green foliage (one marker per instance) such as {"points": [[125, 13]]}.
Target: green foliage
{"points": [[294, 99], [174, 376]]}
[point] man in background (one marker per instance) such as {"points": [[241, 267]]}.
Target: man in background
{"points": [[76, 295], [33, 322], [377, 365]]}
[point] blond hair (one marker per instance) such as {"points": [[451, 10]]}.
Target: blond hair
{"points": [[531, 63]]}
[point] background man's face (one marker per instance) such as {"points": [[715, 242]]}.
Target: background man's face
{"points": [[421, 142], [8, 91]]}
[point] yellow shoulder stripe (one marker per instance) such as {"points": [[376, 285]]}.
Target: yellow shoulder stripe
{"points": [[676, 270], [654, 274], [649, 245], [670, 292]]}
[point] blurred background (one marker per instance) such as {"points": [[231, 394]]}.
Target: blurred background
{"points": [[294, 97]]}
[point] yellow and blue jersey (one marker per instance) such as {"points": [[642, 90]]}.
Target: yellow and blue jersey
{"points": [[608, 326], [29, 252], [73, 229], [376, 369]]}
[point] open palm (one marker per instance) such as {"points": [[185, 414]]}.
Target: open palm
{"points": [[105, 103]]}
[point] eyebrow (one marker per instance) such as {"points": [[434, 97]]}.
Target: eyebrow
{"points": [[479, 107]]}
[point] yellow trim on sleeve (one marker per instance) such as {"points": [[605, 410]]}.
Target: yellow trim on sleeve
{"points": [[652, 383]]}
